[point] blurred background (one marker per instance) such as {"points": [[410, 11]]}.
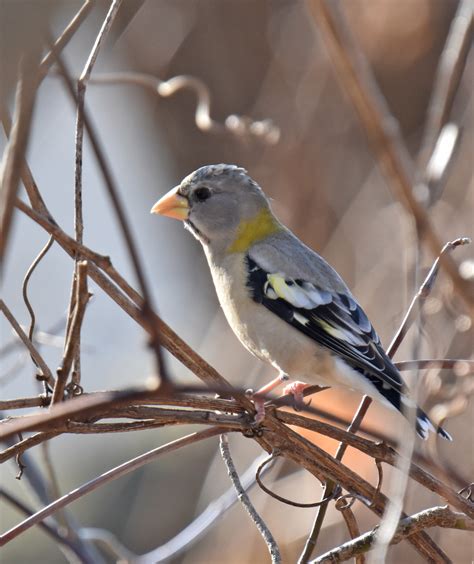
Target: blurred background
{"points": [[266, 60]]}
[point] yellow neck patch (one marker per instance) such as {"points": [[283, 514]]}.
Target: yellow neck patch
{"points": [[253, 230]]}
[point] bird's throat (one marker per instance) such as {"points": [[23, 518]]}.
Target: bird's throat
{"points": [[251, 231]]}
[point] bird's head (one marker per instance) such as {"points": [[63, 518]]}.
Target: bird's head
{"points": [[222, 206]]}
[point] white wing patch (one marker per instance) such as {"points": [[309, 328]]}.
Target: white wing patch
{"points": [[302, 295]]}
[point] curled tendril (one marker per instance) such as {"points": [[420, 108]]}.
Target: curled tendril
{"points": [[241, 126], [262, 486]]}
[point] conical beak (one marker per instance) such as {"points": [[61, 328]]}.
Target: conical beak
{"points": [[172, 205]]}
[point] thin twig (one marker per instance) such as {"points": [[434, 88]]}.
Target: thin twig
{"points": [[245, 500], [38, 359], [56, 533], [72, 339], [79, 139], [65, 37], [105, 478], [26, 299], [428, 363], [433, 517], [423, 293], [146, 310], [201, 524]]}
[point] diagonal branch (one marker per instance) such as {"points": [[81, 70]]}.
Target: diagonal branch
{"points": [[35, 355], [433, 517], [105, 478], [245, 500]]}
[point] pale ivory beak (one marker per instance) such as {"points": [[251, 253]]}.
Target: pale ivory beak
{"points": [[172, 205]]}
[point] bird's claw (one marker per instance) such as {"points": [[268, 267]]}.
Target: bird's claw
{"points": [[296, 390]]}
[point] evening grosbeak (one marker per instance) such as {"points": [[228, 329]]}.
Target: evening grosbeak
{"points": [[285, 303]]}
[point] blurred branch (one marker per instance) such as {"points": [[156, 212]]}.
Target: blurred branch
{"points": [[245, 501], [65, 37], [382, 129], [238, 125], [427, 363], [13, 157], [201, 524], [104, 478], [433, 517], [35, 355], [55, 532], [450, 70]]}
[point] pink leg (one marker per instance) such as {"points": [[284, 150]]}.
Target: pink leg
{"points": [[296, 390], [259, 397]]}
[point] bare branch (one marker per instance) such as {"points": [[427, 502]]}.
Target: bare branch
{"points": [[35, 355], [13, 157], [72, 339], [65, 37], [448, 76], [433, 517], [105, 478], [56, 533], [146, 310], [245, 500], [344, 506]]}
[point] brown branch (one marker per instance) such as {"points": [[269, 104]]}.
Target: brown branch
{"points": [[169, 339], [382, 130], [105, 478], [65, 37], [450, 70], [56, 533], [433, 517], [428, 363], [13, 157], [146, 310], [344, 506], [325, 467], [73, 336], [35, 355], [245, 501]]}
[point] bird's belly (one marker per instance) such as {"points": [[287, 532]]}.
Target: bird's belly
{"points": [[273, 340]]}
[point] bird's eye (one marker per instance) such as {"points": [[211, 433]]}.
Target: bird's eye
{"points": [[202, 193]]}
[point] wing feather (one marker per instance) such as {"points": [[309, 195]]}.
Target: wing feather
{"points": [[333, 320]]}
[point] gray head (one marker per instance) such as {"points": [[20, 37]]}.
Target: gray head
{"points": [[214, 201]]}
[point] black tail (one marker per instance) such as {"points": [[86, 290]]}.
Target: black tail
{"points": [[423, 422]]}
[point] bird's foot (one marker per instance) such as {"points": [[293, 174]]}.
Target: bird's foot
{"points": [[259, 404], [296, 389]]}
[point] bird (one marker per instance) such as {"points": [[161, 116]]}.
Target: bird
{"points": [[284, 302]]}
